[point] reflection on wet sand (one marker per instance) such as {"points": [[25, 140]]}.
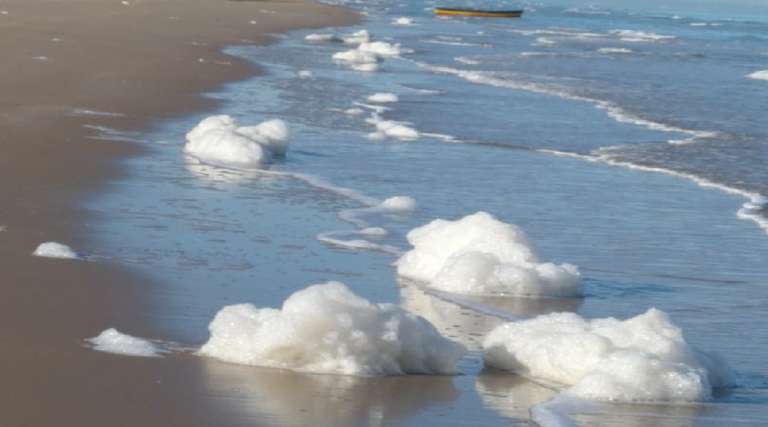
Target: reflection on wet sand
{"points": [[513, 397], [510, 395], [467, 319], [285, 398], [225, 176]]}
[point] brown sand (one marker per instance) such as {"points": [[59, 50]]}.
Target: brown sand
{"points": [[147, 60]]}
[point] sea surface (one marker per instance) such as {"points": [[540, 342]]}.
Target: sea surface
{"points": [[632, 145]]}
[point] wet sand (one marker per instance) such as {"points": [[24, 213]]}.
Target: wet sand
{"points": [[144, 61]]}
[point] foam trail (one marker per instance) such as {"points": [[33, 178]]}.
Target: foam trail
{"points": [[110, 134], [332, 238], [87, 112], [371, 206], [750, 210], [614, 111]]}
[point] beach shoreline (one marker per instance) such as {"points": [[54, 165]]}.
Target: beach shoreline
{"points": [[71, 71]]}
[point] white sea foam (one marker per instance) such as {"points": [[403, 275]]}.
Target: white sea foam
{"points": [[759, 75], [218, 140], [362, 36], [328, 329], [641, 359], [381, 49], [110, 134], [392, 205], [325, 37], [382, 97], [87, 112], [544, 41], [403, 20], [335, 238], [479, 254], [304, 74], [614, 50], [392, 129], [355, 111], [358, 60], [640, 36], [55, 250], [112, 341], [612, 110], [398, 204], [750, 210], [467, 61]]}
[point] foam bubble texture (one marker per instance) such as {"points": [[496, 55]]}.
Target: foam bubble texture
{"points": [[328, 329], [641, 359], [479, 254]]}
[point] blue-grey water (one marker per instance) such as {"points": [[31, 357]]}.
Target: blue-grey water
{"points": [[592, 129]]}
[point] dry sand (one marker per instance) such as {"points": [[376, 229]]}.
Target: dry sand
{"points": [[147, 60]]}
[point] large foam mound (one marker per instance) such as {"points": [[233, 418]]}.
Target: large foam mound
{"points": [[220, 141], [113, 341], [644, 358], [55, 250], [479, 254], [328, 329]]}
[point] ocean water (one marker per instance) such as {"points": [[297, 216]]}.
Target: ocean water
{"points": [[632, 145]]}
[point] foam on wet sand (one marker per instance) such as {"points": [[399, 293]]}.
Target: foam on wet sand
{"points": [[479, 254], [326, 328], [55, 250], [113, 341]]}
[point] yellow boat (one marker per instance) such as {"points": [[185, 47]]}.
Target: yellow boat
{"points": [[444, 11]]}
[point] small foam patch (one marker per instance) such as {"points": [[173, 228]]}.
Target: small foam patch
{"points": [[55, 250], [113, 341]]}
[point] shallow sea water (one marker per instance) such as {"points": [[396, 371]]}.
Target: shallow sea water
{"points": [[528, 121]]}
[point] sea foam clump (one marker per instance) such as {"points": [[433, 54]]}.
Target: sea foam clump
{"points": [[55, 250], [220, 141], [479, 254], [113, 341], [403, 20], [393, 129], [641, 359], [328, 329], [759, 75], [382, 97]]}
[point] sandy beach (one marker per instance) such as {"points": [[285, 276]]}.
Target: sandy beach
{"points": [[123, 65]]}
